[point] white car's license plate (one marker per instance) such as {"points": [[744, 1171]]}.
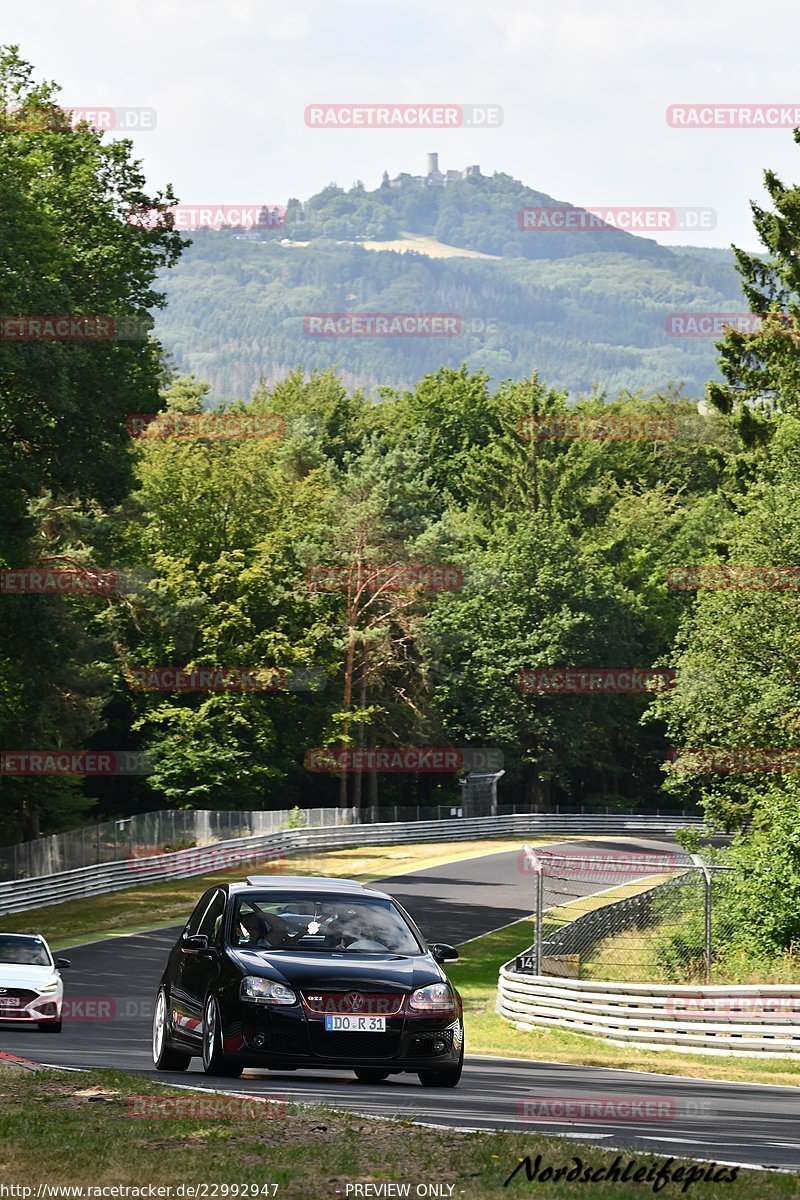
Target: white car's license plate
{"points": [[356, 1024], [10, 1002]]}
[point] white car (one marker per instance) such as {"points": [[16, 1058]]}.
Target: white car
{"points": [[31, 991]]}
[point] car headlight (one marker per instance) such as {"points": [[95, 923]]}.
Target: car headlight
{"points": [[266, 991], [435, 998], [48, 987]]}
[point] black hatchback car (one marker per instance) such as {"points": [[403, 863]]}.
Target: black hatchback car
{"points": [[287, 972]]}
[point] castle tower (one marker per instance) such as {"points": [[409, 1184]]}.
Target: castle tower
{"points": [[433, 164]]}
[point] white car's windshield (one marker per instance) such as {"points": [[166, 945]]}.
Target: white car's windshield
{"points": [[290, 921], [25, 951]]}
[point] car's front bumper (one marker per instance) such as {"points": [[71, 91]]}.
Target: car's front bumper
{"points": [[258, 1035], [32, 1009]]}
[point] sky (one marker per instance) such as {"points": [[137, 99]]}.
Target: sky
{"points": [[584, 91]]}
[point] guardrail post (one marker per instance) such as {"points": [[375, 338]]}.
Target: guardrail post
{"points": [[535, 860], [697, 860], [539, 905]]}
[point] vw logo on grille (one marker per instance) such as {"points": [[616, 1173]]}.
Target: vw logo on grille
{"points": [[353, 1002]]}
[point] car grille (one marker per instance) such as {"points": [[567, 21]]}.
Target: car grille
{"points": [[375, 1004], [23, 995], [353, 1045]]}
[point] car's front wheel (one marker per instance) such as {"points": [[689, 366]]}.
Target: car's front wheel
{"points": [[215, 1061], [370, 1074], [446, 1077], [164, 1057]]}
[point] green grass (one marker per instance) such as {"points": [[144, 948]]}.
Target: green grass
{"points": [[635, 955], [78, 1130]]}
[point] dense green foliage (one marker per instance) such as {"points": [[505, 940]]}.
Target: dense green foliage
{"points": [[65, 248]]}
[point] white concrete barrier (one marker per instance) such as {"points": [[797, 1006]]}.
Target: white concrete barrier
{"points": [[761, 1019]]}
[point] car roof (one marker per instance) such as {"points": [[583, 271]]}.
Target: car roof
{"points": [[31, 937], [303, 883], [312, 881]]}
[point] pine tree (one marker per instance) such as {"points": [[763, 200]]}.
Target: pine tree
{"points": [[762, 369]]}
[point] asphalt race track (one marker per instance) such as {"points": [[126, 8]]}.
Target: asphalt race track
{"points": [[112, 984]]}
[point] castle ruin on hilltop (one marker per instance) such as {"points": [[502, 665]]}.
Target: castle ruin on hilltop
{"points": [[433, 178]]}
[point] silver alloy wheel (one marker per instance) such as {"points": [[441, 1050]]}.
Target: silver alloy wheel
{"points": [[209, 1030], [159, 1025]]}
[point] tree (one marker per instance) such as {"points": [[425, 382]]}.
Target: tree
{"points": [[381, 523], [762, 369], [737, 653], [534, 598], [66, 250]]}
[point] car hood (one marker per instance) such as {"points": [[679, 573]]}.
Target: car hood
{"points": [[17, 975], [367, 972]]}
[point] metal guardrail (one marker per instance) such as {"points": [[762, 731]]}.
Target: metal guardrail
{"points": [[22, 895], [746, 1020]]}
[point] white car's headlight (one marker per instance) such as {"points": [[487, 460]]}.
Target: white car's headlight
{"points": [[45, 988], [266, 991], [435, 998]]}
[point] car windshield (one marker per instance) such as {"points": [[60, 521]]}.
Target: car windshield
{"points": [[27, 951], [291, 921]]}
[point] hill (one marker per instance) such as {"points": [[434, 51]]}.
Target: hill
{"points": [[585, 308]]}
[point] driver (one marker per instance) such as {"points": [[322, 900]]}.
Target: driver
{"points": [[261, 930]]}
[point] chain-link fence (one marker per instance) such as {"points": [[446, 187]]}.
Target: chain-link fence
{"points": [[620, 916], [154, 833]]}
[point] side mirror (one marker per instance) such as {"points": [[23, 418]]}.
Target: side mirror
{"points": [[443, 953], [61, 963], [194, 942]]}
